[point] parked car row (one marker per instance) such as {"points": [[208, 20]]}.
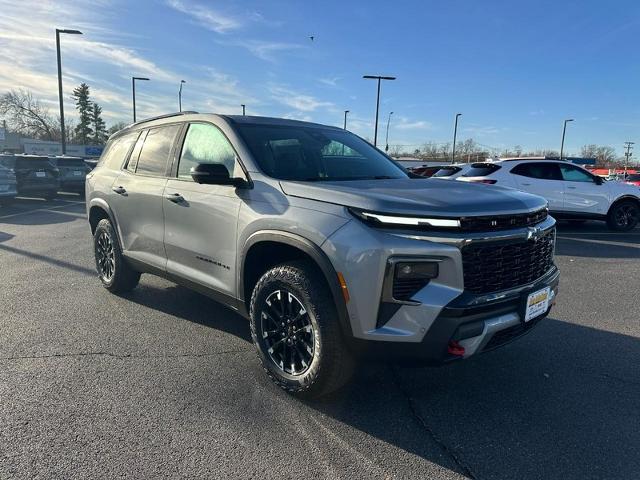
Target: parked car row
{"points": [[573, 192], [40, 176]]}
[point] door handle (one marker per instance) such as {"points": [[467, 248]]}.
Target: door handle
{"points": [[174, 197], [120, 190], [571, 188], [526, 184]]}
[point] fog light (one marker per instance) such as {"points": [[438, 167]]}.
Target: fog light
{"points": [[416, 270]]}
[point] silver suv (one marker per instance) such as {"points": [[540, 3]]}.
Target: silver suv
{"points": [[333, 251]]}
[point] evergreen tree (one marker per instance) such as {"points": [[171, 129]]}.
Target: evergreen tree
{"points": [[83, 130], [99, 127]]}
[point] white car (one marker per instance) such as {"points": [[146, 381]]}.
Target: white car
{"points": [[572, 192]]}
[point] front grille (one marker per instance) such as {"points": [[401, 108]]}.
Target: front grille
{"points": [[503, 222], [404, 289], [490, 268]]}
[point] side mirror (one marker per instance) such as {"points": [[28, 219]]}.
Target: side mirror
{"points": [[598, 180], [214, 174]]}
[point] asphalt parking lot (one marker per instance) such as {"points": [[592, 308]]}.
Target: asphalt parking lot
{"points": [[164, 383]]}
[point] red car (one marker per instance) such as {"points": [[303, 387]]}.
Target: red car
{"points": [[425, 170], [633, 179]]}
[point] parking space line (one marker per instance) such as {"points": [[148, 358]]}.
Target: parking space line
{"points": [[36, 210]]}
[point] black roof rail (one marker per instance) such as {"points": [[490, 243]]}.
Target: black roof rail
{"points": [[166, 115]]}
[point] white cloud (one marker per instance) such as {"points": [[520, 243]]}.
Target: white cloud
{"points": [[416, 125], [264, 50], [299, 101], [206, 16], [331, 81]]}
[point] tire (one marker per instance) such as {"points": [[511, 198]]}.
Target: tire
{"points": [[624, 216], [114, 272], [299, 291]]}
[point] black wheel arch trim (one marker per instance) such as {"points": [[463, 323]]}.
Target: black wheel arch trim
{"points": [[103, 205], [313, 251], [622, 198]]}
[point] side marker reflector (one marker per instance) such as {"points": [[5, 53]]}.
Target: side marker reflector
{"points": [[343, 287]]}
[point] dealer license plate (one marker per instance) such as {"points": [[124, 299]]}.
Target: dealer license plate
{"points": [[537, 303], [41, 174]]}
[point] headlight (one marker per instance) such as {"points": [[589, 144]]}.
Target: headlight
{"points": [[383, 219]]}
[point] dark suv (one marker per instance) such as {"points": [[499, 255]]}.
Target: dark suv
{"points": [[72, 173], [35, 175]]}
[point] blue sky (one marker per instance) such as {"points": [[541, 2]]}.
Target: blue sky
{"points": [[514, 69]]}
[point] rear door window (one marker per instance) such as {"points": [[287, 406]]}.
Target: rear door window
{"points": [[539, 170], [156, 150], [481, 169]]}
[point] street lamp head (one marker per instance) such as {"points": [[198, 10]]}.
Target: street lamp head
{"points": [[347, 111], [376, 77], [458, 115], [73, 32], [569, 120], [140, 78], [182, 81], [390, 113]]}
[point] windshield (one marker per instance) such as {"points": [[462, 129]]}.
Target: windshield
{"points": [[316, 154]]}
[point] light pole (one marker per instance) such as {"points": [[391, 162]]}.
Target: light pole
{"points": [[455, 135], [564, 130], [133, 84], [63, 140], [345, 119], [377, 77], [386, 148], [182, 82], [243, 108]]}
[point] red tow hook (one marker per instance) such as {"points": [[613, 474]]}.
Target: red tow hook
{"points": [[455, 348]]}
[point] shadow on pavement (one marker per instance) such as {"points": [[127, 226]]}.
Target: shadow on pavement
{"points": [[46, 259], [191, 306], [561, 403], [41, 212]]}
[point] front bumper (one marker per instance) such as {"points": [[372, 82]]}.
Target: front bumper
{"points": [[476, 325], [423, 326]]}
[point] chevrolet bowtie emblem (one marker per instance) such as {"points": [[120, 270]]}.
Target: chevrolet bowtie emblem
{"points": [[533, 233]]}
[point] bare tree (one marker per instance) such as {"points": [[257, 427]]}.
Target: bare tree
{"points": [[27, 116], [604, 154]]}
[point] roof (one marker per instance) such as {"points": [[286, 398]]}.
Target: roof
{"points": [[232, 119], [255, 120]]}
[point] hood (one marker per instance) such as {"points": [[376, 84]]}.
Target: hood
{"points": [[418, 196]]}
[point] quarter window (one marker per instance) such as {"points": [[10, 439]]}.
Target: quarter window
{"points": [[205, 143], [539, 170], [156, 150], [135, 153], [116, 153]]}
